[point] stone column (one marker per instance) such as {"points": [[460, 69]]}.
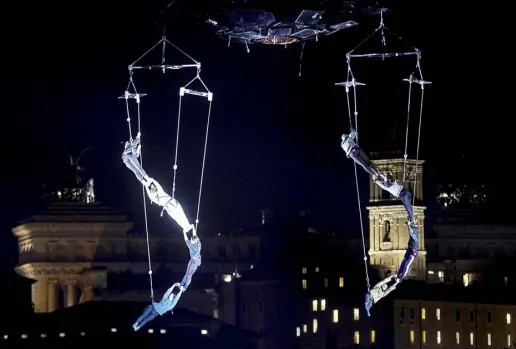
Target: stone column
{"points": [[70, 293], [52, 295]]}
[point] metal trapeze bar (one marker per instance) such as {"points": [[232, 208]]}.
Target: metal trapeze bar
{"points": [[164, 66], [417, 81], [383, 55], [350, 83], [129, 95], [184, 90]]}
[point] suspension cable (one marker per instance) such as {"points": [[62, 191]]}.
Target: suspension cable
{"points": [[353, 83], [422, 83], [209, 96], [137, 96], [203, 165], [177, 147], [405, 155]]}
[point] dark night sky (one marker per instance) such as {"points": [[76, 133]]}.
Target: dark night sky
{"points": [[274, 140]]}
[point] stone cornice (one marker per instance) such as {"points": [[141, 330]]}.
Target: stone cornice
{"points": [[34, 270]]}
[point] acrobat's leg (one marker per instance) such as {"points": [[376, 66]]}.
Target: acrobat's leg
{"points": [[190, 271], [408, 259], [149, 314], [133, 164], [176, 212], [406, 199], [361, 158]]}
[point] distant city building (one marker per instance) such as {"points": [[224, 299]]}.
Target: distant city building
{"points": [[442, 316]]}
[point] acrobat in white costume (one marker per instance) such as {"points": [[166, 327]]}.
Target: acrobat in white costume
{"points": [[154, 190]]}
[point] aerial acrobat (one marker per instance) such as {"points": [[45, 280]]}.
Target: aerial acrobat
{"points": [[349, 144], [132, 158], [389, 184], [154, 190]]}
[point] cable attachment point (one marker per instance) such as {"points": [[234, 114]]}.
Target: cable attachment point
{"points": [[350, 83], [185, 89], [136, 96]]}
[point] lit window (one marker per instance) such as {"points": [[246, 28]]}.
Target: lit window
{"points": [[438, 314], [43, 335], [423, 336], [315, 325], [204, 332], [162, 331], [466, 279], [6, 336], [316, 269], [227, 278], [471, 338], [305, 328], [303, 270], [335, 315], [24, 336], [82, 334], [356, 337], [323, 304], [508, 316], [373, 336], [356, 314], [61, 335], [113, 330], [509, 341], [423, 314], [489, 339], [325, 282], [298, 331], [438, 337], [457, 337], [440, 275], [150, 330], [341, 282], [412, 336], [303, 282], [430, 272], [314, 305]]}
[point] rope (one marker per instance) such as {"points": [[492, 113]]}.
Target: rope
{"points": [[407, 131], [203, 165], [419, 130], [177, 147], [355, 112], [131, 84], [197, 77]]}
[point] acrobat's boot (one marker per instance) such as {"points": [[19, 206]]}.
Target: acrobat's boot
{"points": [[176, 212], [368, 303]]}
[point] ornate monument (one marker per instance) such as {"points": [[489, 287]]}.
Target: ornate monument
{"points": [[78, 250]]}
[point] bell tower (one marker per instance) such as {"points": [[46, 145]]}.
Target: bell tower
{"points": [[388, 230]]}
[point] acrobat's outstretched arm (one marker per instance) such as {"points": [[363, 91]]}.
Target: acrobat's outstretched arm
{"points": [[167, 303], [354, 152], [130, 157]]}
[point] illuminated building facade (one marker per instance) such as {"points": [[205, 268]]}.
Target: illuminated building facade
{"points": [[388, 231], [78, 250], [455, 317]]}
